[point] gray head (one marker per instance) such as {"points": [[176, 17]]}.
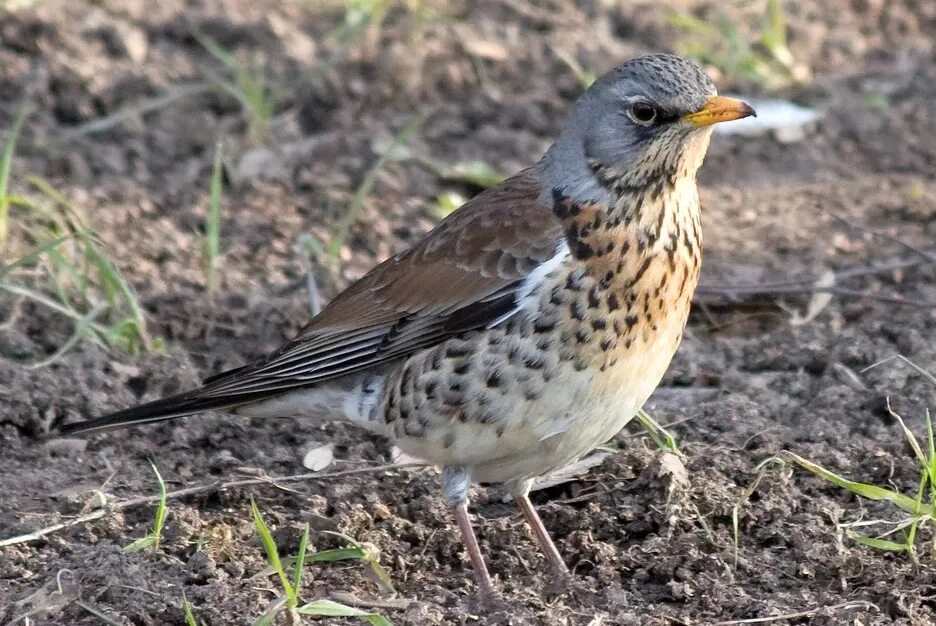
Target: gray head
{"points": [[648, 118]]}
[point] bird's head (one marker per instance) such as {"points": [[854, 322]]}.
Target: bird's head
{"points": [[648, 119]]}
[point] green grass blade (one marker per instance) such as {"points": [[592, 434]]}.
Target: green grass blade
{"points": [[337, 554], [152, 539], [359, 551], [477, 173], [300, 559], [34, 254], [218, 52], [161, 509], [774, 35], [6, 164], [328, 608], [272, 553], [136, 110], [880, 544], [81, 328], [213, 220], [931, 460], [187, 611], [908, 434], [269, 616], [762, 469], [48, 302], [660, 436], [340, 233], [871, 492], [113, 280]]}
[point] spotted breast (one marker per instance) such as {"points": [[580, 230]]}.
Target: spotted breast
{"points": [[596, 328]]}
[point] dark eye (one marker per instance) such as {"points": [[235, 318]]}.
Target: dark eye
{"points": [[643, 112]]}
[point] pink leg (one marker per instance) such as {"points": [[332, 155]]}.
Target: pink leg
{"points": [[485, 586], [556, 564]]}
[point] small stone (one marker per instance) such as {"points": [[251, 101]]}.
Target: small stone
{"points": [[318, 457], [66, 446], [380, 511], [321, 523], [202, 567]]}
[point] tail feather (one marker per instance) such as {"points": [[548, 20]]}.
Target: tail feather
{"points": [[180, 405], [355, 398]]}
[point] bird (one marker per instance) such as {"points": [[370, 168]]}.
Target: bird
{"points": [[530, 325]]}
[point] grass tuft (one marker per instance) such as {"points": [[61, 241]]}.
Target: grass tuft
{"points": [[6, 164], [910, 513], [720, 43], [328, 608], [212, 247], [356, 551], [154, 536], [249, 85], [583, 75], [353, 210], [66, 270], [364, 19], [289, 602], [915, 511]]}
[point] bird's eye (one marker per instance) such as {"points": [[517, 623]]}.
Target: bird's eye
{"points": [[643, 112]]}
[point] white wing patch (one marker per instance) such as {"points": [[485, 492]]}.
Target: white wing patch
{"points": [[528, 292]]}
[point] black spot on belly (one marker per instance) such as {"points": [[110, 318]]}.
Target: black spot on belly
{"points": [[456, 352], [544, 325], [593, 300]]}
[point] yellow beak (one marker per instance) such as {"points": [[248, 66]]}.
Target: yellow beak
{"points": [[720, 109]]}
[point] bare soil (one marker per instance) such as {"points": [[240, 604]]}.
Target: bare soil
{"points": [[748, 382]]}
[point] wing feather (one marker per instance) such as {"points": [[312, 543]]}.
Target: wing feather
{"points": [[464, 275]]}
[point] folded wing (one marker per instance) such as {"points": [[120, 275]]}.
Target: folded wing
{"points": [[463, 275]]}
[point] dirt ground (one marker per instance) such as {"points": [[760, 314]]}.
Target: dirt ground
{"points": [[750, 380]]}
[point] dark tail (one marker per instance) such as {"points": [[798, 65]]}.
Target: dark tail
{"points": [[156, 411]]}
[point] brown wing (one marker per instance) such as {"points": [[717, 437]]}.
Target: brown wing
{"points": [[463, 275]]}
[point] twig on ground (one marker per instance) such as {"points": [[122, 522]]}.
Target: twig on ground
{"points": [[845, 606], [926, 255], [772, 290], [809, 285], [216, 485], [346, 597]]}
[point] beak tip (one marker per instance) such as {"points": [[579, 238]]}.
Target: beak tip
{"points": [[721, 109]]}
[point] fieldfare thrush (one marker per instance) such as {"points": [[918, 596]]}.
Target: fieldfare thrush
{"points": [[531, 324]]}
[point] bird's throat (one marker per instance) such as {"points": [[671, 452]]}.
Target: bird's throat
{"points": [[655, 224], [638, 261]]}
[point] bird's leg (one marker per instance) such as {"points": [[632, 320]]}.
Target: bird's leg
{"points": [[456, 482], [561, 575]]}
